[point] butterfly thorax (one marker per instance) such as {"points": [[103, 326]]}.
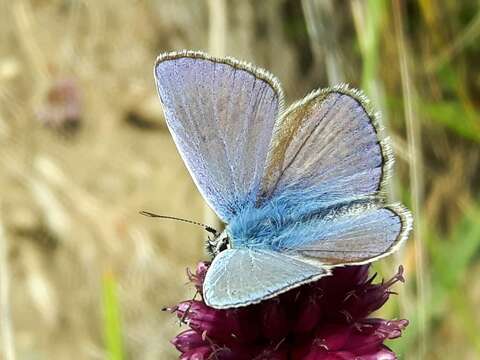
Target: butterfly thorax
{"points": [[262, 227]]}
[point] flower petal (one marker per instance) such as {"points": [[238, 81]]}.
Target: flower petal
{"points": [[198, 277], [369, 297], [224, 325], [201, 353], [324, 320], [188, 340], [308, 313], [274, 320]]}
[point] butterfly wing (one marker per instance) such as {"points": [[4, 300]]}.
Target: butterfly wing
{"points": [[328, 145], [221, 114], [327, 166], [240, 277], [351, 234]]}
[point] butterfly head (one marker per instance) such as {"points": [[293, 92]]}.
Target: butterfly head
{"points": [[219, 243]]}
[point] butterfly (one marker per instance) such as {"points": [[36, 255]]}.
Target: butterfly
{"points": [[301, 190]]}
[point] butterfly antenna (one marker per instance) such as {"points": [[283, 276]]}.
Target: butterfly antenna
{"points": [[206, 227]]}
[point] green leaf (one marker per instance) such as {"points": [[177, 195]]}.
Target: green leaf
{"points": [[463, 120], [111, 318]]}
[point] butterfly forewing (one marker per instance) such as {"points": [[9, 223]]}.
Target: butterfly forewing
{"points": [[327, 144], [221, 114]]}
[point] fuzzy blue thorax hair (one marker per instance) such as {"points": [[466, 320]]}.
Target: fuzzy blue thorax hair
{"points": [[286, 222]]}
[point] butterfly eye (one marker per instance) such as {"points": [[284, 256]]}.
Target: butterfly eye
{"points": [[222, 246]]}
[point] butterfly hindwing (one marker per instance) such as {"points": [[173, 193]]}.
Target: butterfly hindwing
{"points": [[354, 234], [240, 277], [221, 114]]}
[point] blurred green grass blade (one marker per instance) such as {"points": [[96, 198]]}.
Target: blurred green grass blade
{"points": [[455, 255], [368, 22], [452, 266], [375, 11], [111, 318], [450, 261], [466, 312], [462, 120], [402, 346]]}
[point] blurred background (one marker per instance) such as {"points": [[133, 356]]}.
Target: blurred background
{"points": [[83, 148]]}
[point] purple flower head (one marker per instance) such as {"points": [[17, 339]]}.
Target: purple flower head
{"points": [[323, 320]]}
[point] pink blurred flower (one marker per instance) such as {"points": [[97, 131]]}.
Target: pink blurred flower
{"points": [[61, 108], [323, 320]]}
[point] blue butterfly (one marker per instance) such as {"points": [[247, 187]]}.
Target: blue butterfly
{"points": [[301, 190]]}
